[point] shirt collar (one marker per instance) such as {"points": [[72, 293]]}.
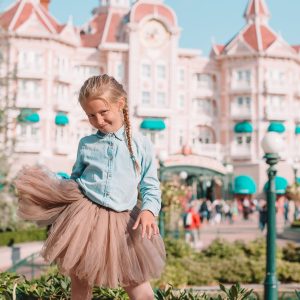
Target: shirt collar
{"points": [[119, 134]]}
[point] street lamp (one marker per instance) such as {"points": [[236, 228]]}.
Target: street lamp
{"points": [[272, 144], [296, 166], [229, 172], [161, 157]]}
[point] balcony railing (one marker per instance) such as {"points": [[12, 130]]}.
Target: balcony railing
{"points": [[30, 100], [25, 145], [276, 113], [241, 151], [276, 87], [241, 112], [241, 86], [144, 111], [210, 150]]}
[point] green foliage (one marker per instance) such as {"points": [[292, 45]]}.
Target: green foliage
{"points": [[296, 224], [35, 234], [236, 292], [291, 252]]}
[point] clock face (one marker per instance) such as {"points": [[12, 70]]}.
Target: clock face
{"points": [[153, 34]]}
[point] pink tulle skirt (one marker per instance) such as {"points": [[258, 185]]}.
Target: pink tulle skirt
{"points": [[92, 242]]}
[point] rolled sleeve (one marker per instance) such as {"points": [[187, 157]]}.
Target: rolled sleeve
{"points": [[78, 166], [149, 184]]}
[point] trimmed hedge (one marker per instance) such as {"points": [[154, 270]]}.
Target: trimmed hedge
{"points": [[38, 234]]}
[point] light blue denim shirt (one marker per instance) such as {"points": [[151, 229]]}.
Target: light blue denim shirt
{"points": [[105, 171]]}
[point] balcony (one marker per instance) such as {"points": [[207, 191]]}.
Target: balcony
{"points": [[204, 118], [241, 112], [241, 86], [30, 146], [62, 148], [63, 104], [276, 87], [241, 151], [144, 111], [297, 112], [63, 76], [276, 113], [29, 100], [31, 72], [209, 150], [203, 91]]}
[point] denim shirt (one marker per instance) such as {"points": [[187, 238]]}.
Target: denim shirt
{"points": [[106, 174]]}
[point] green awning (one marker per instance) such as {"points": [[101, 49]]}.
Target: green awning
{"points": [[276, 127], [63, 175], [244, 185], [153, 124], [243, 127], [297, 129], [28, 115], [280, 185], [2, 182], [61, 119]]}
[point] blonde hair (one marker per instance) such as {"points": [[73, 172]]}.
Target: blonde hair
{"points": [[108, 89]]}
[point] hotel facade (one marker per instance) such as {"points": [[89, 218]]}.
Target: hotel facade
{"points": [[202, 113]]}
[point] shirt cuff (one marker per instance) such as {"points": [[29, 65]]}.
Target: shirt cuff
{"points": [[149, 206]]}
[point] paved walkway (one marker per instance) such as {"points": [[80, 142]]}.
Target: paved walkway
{"points": [[240, 230]]}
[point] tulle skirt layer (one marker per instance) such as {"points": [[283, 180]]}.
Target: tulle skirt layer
{"points": [[87, 240]]}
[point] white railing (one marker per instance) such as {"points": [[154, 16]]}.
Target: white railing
{"points": [[241, 85], [32, 146], [241, 112], [210, 150], [30, 100], [143, 111], [241, 151], [276, 113], [276, 87]]}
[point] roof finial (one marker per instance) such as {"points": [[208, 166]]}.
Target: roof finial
{"points": [[257, 10]]}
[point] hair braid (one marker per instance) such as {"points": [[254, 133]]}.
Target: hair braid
{"points": [[128, 136]]}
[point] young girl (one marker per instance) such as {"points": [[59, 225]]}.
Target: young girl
{"points": [[99, 236]]}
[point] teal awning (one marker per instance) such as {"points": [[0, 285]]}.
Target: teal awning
{"points": [[63, 175], [244, 185], [276, 127], [280, 185], [243, 127], [28, 115], [297, 129], [2, 182], [153, 124], [61, 119]]}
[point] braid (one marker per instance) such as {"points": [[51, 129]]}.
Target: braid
{"points": [[128, 135]]}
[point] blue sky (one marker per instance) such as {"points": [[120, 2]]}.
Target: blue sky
{"points": [[201, 20]]}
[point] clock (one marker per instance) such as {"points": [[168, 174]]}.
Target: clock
{"points": [[153, 34]]}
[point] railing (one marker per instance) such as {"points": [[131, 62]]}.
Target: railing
{"points": [[32, 265], [241, 112], [210, 150]]}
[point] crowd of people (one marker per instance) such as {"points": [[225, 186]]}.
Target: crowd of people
{"points": [[202, 212]]}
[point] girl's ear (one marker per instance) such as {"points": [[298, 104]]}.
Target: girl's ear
{"points": [[121, 103]]}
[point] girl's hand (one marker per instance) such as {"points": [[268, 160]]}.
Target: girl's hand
{"points": [[147, 220]]}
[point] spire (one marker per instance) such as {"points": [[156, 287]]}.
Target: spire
{"points": [[257, 10]]}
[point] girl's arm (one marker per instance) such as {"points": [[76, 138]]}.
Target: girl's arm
{"points": [[78, 166], [149, 184]]}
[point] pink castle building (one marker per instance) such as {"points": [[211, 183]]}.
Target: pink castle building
{"points": [[203, 112]]}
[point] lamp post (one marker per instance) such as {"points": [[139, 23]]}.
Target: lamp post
{"points": [[229, 171], [272, 145], [161, 225]]}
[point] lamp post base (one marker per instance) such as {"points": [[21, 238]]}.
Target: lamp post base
{"points": [[271, 287]]}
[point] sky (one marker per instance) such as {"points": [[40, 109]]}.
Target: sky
{"points": [[201, 21]]}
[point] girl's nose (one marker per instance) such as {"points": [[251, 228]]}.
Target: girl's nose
{"points": [[99, 119]]}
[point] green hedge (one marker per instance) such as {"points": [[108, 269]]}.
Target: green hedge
{"points": [[38, 234]]}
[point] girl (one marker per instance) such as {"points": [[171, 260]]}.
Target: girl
{"points": [[99, 235]]}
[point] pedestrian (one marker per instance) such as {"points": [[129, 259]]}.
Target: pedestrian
{"points": [[263, 216], [192, 223], [100, 237], [286, 210], [203, 211]]}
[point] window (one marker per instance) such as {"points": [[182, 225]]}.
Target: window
{"points": [[31, 89], [205, 135], [244, 101], [181, 137], [161, 72], [275, 101], [30, 60], [62, 92], [244, 139], [28, 133], [244, 75], [120, 72], [276, 75], [181, 75], [181, 101], [203, 106], [203, 80], [146, 97], [146, 71], [161, 99]]}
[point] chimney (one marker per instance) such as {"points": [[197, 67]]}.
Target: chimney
{"points": [[45, 4]]}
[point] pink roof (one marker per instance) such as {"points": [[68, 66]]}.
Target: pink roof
{"points": [[26, 11], [113, 28], [256, 8], [98, 24], [296, 47], [143, 9]]}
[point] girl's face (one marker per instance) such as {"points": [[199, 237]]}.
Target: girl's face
{"points": [[103, 116]]}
